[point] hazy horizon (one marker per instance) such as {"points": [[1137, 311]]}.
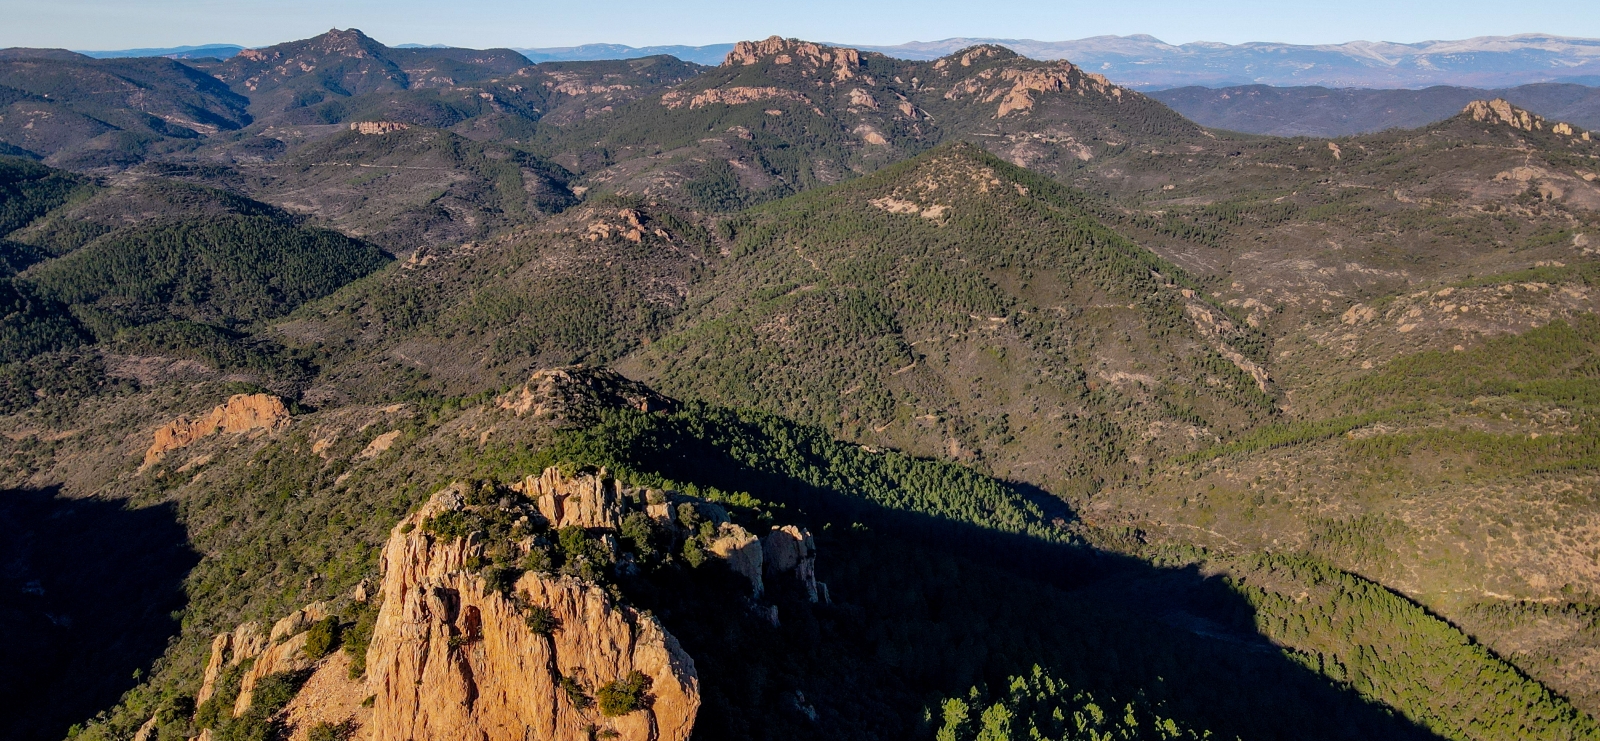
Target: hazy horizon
{"points": [[111, 25]]}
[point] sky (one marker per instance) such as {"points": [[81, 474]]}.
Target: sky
{"points": [[122, 24]]}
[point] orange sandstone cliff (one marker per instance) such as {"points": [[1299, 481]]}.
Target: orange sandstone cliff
{"points": [[452, 660]]}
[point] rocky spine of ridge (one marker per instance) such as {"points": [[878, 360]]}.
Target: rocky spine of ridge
{"points": [[1015, 89], [838, 63]]}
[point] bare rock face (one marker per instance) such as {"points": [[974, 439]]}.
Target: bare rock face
{"points": [[298, 621], [241, 413], [452, 657], [572, 395], [378, 128], [284, 657], [1016, 90], [742, 551], [230, 649], [790, 550], [737, 95], [585, 501], [452, 660]]}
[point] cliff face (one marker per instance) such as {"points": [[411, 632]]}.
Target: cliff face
{"points": [[451, 659]]}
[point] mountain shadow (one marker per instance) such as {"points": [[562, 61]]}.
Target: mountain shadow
{"points": [[88, 594], [927, 607]]}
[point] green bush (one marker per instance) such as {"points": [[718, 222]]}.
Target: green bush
{"points": [[323, 638], [358, 637], [326, 731], [451, 524], [575, 693], [623, 696], [500, 579], [541, 620]]}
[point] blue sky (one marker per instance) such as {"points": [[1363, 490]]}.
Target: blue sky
{"points": [[115, 24]]}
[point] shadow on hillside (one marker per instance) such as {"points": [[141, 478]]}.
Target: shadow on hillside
{"points": [[87, 592], [926, 608]]}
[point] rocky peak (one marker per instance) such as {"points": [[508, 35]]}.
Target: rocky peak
{"points": [[351, 43], [975, 55], [576, 394], [1499, 111], [466, 646], [1017, 88], [453, 657], [840, 63]]}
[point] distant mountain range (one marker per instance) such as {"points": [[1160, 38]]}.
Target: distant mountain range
{"points": [[711, 55], [220, 51], [1328, 112], [1147, 63]]}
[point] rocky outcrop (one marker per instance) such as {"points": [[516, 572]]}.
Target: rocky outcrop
{"points": [[297, 622], [241, 413], [1499, 111], [791, 550], [584, 501], [451, 659], [573, 395], [1016, 89], [288, 656], [373, 128], [230, 649], [463, 649], [838, 62], [742, 551]]}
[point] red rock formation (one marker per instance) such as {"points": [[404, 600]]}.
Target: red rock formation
{"points": [[842, 62], [1501, 112], [742, 551], [374, 128], [730, 96], [450, 660], [229, 649], [241, 413], [585, 501], [1015, 88], [284, 657]]}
